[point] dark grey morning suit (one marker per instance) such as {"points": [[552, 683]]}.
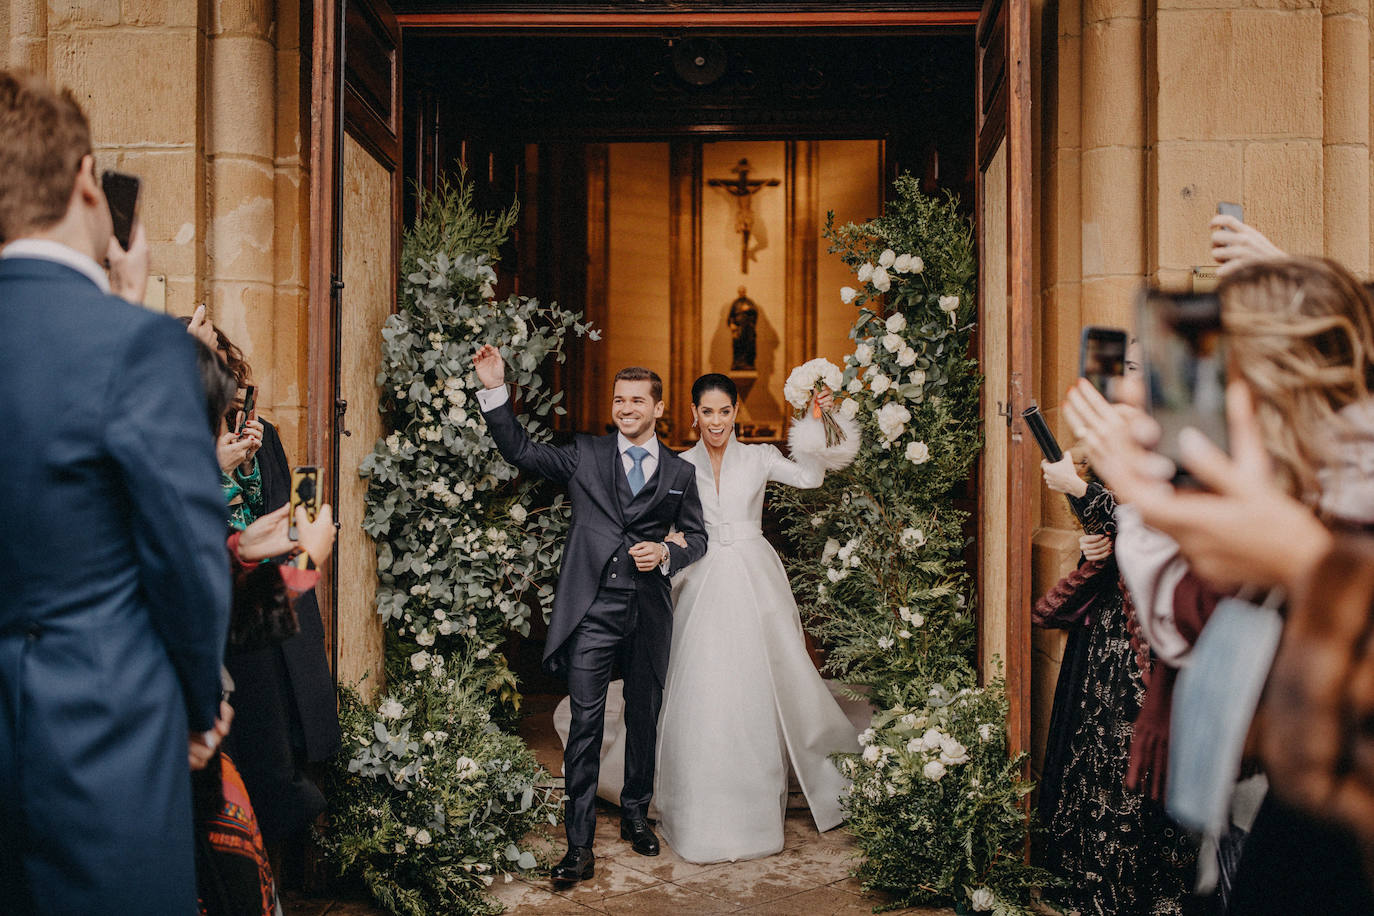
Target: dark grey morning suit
{"points": [[604, 609]]}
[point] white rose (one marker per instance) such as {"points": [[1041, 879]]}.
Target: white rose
{"points": [[425, 638], [917, 619], [905, 614], [835, 575], [872, 753], [933, 737], [863, 354], [832, 547], [908, 720], [902, 264], [896, 323], [420, 660], [847, 294], [893, 342], [906, 356], [917, 377], [915, 746], [892, 419], [949, 304], [982, 899], [423, 838], [917, 265], [985, 732], [880, 383], [887, 258], [917, 452], [866, 737], [903, 634], [865, 272], [934, 771], [881, 281], [518, 513], [849, 408], [886, 642], [391, 709]]}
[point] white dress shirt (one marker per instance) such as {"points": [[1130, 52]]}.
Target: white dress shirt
{"points": [[48, 250]]}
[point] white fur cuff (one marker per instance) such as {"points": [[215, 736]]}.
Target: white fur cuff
{"points": [[806, 440]]}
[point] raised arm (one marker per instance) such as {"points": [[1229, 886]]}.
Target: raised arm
{"points": [[156, 430], [811, 457], [550, 461]]}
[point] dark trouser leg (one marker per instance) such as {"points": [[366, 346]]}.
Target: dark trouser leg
{"points": [[591, 655], [643, 699]]}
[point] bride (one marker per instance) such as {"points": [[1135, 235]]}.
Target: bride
{"points": [[742, 698]]}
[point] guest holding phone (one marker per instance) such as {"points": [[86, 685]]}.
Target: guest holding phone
{"points": [[287, 717], [1114, 846]]}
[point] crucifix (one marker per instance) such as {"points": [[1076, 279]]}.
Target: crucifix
{"points": [[743, 190]]}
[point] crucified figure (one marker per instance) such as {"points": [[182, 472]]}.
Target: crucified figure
{"points": [[743, 190]]}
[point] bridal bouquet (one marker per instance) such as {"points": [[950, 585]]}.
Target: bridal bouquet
{"points": [[801, 389]]}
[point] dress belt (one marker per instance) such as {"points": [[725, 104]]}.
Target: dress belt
{"points": [[729, 532]]}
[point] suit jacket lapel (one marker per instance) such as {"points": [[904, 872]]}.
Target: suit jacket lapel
{"points": [[610, 466]]}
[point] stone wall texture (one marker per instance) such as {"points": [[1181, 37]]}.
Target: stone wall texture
{"points": [[202, 99]]}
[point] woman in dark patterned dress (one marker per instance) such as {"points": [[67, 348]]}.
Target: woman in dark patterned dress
{"points": [[1116, 850]]}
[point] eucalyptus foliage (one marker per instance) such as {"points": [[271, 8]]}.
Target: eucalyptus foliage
{"points": [[434, 803], [879, 571], [431, 801]]}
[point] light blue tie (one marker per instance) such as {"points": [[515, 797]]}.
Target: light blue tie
{"points": [[635, 477]]}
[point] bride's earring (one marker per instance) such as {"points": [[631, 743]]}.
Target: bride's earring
{"points": [[694, 422]]}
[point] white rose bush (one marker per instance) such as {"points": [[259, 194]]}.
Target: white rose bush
{"points": [[938, 807], [430, 800]]}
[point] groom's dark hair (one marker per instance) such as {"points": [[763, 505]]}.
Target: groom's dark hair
{"points": [[640, 374]]}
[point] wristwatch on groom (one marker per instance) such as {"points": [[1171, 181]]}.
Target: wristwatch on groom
{"points": [[667, 555]]}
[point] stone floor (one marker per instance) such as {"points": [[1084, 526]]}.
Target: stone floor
{"points": [[810, 876]]}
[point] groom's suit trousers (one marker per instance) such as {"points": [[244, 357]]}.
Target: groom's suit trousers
{"points": [[609, 633]]}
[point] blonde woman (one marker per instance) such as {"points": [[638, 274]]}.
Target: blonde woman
{"points": [[1301, 346]]}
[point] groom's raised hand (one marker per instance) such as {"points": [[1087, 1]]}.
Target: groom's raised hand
{"points": [[490, 367]]}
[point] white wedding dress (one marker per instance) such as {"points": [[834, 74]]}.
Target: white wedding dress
{"points": [[743, 698]]}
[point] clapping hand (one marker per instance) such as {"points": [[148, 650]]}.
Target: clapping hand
{"points": [[491, 368]]}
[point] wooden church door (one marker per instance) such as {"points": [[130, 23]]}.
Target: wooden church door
{"points": [[1004, 263], [355, 251]]}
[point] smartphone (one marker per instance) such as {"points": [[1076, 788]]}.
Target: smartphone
{"points": [[122, 193], [250, 403], [1102, 358], [1229, 209], [1183, 355], [305, 491]]}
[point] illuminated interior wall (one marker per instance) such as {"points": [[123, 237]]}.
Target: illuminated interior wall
{"points": [[637, 288], [722, 275], [850, 184]]}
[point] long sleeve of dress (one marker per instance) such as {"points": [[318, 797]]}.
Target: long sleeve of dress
{"points": [[811, 457], [1152, 567]]}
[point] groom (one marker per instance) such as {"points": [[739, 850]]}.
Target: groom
{"points": [[613, 600]]}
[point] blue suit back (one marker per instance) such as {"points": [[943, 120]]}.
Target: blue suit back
{"points": [[114, 597]]}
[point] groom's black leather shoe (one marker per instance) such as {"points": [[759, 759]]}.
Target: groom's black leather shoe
{"points": [[642, 839], [578, 865]]}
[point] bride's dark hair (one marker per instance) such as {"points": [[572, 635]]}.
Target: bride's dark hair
{"points": [[714, 381]]}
